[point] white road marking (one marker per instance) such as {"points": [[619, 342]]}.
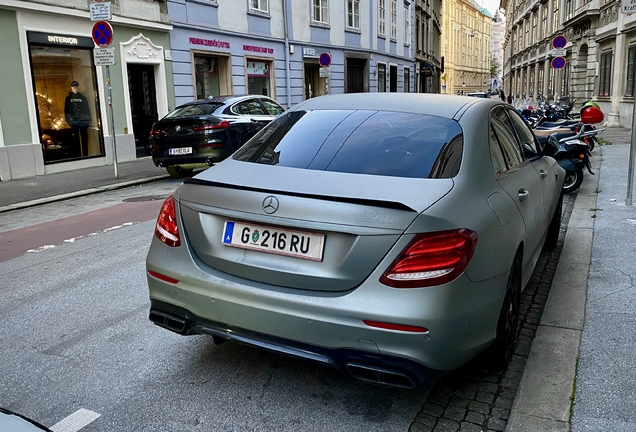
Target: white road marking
{"points": [[76, 421], [72, 240]]}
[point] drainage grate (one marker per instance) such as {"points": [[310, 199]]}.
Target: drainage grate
{"points": [[146, 198]]}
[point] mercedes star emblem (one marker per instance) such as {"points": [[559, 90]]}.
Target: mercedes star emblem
{"points": [[177, 128], [270, 204]]}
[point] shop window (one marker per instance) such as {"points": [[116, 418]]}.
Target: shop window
{"points": [[66, 99], [206, 71], [258, 80]]}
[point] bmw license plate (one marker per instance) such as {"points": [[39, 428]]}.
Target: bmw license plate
{"points": [[180, 151], [279, 241]]}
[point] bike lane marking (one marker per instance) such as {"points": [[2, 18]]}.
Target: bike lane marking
{"points": [[76, 421], [47, 235]]}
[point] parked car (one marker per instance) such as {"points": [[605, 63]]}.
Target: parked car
{"points": [[387, 235], [482, 95], [206, 131], [13, 422]]}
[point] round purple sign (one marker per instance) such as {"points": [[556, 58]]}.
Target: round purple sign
{"points": [[325, 59], [558, 63], [559, 42]]}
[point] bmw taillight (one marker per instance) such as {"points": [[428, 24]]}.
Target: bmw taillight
{"points": [[223, 124], [157, 133], [432, 259], [166, 229]]}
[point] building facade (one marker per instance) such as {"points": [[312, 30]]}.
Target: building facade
{"points": [[428, 46], [291, 50], [600, 53], [467, 33], [54, 100]]}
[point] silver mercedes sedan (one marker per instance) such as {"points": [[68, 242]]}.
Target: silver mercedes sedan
{"points": [[387, 235]]}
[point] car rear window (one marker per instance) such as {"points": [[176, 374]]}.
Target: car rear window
{"points": [[359, 141], [193, 110]]}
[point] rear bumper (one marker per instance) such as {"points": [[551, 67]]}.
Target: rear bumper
{"points": [[363, 366], [202, 158]]}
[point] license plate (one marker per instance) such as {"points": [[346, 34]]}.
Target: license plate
{"points": [[180, 151], [274, 240]]}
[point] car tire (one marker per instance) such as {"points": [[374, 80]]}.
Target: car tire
{"points": [[178, 172], [573, 180], [502, 349], [555, 227]]}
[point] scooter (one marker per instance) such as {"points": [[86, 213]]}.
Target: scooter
{"points": [[572, 154]]}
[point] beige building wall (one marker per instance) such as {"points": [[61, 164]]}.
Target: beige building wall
{"points": [[467, 32]]}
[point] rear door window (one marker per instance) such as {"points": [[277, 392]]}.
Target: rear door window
{"points": [[525, 135], [363, 142], [194, 110], [272, 107]]}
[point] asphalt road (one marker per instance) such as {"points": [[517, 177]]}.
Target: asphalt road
{"points": [[76, 341]]}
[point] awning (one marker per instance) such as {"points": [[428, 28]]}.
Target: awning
{"points": [[428, 69]]}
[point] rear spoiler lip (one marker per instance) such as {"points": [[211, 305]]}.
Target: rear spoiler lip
{"points": [[368, 202]]}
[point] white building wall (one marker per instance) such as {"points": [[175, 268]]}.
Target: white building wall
{"points": [[232, 18], [337, 22], [301, 17]]}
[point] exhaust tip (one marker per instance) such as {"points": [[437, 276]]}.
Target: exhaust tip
{"points": [[160, 164], [167, 321], [208, 162], [381, 376]]}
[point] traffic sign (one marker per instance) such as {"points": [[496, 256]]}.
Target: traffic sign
{"points": [[558, 53], [325, 59], [559, 42], [102, 34], [628, 6], [101, 11], [558, 63], [325, 72], [104, 56]]}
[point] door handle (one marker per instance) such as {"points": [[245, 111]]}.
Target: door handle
{"points": [[543, 173], [523, 194]]}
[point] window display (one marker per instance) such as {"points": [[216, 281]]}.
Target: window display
{"points": [[258, 77], [206, 76], [66, 98]]}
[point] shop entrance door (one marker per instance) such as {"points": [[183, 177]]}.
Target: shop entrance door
{"points": [[143, 104], [355, 75], [314, 84]]}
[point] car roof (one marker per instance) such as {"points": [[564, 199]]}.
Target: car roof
{"points": [[229, 99], [418, 103]]}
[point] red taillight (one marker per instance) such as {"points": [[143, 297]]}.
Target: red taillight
{"points": [[157, 133], [398, 327], [223, 124], [163, 277], [166, 229], [432, 259]]}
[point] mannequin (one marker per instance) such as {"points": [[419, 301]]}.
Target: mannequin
{"points": [[78, 115]]}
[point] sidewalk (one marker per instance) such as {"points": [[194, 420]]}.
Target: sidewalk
{"points": [[584, 346], [22, 193]]}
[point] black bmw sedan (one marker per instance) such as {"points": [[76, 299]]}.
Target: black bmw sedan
{"points": [[206, 131]]}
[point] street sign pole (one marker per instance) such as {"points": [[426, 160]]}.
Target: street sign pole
{"points": [[112, 120], [632, 155]]}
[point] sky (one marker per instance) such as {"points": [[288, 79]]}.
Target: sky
{"points": [[491, 5]]}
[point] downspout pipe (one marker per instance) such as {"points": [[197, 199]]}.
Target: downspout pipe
{"points": [[287, 64]]}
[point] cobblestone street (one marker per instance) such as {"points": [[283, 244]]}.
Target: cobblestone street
{"points": [[475, 399]]}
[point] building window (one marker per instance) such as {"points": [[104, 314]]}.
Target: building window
{"points": [[605, 74], [407, 80], [66, 100], [555, 16], [526, 42], [381, 17], [514, 39], [381, 77], [259, 5], [568, 9], [417, 34], [393, 19], [321, 8], [258, 77], [206, 76], [631, 65], [540, 78], [544, 21], [535, 18], [407, 26], [565, 85], [353, 14]]}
